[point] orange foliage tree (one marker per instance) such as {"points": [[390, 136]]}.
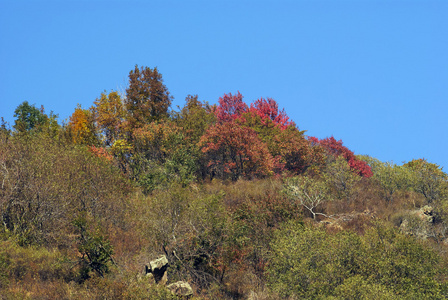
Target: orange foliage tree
{"points": [[286, 143], [235, 151], [81, 127]]}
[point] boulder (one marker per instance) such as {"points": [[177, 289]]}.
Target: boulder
{"points": [[419, 222], [426, 213], [181, 289], [158, 269]]}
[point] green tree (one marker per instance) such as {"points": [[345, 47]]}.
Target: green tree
{"points": [[162, 155], [28, 117], [390, 177], [428, 179], [341, 179], [194, 118], [31, 119], [96, 251], [147, 98], [402, 263]]}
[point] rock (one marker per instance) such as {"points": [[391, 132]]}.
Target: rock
{"points": [[150, 278], [159, 263], [418, 223], [426, 213], [158, 269], [181, 289]]}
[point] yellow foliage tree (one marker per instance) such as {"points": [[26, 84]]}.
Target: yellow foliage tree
{"points": [[109, 114], [81, 127]]}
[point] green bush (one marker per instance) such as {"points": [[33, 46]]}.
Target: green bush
{"points": [[96, 251], [309, 263]]}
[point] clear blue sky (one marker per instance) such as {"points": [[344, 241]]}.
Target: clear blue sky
{"points": [[372, 73]]}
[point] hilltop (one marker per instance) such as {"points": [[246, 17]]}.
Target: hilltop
{"points": [[237, 198]]}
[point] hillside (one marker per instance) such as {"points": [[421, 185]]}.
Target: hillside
{"points": [[237, 198]]}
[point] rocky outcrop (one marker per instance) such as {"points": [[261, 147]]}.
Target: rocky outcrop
{"points": [[158, 270], [426, 213], [156, 273], [419, 222], [180, 289]]}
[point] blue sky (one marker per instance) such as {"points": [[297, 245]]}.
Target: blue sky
{"points": [[372, 73]]}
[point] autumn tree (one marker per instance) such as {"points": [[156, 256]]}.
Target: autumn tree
{"points": [[81, 127], [235, 151], [286, 143], [267, 110], [291, 149], [147, 98], [230, 107], [109, 115], [335, 149]]}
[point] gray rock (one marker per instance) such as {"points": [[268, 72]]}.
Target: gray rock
{"points": [[159, 263], [158, 268], [426, 213], [180, 288]]}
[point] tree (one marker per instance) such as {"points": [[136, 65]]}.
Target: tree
{"points": [[428, 179], [268, 110], [148, 99], [292, 150], [194, 118], [341, 179], [335, 148], [234, 151], [109, 115], [286, 143], [28, 117], [308, 263], [307, 192], [31, 119], [389, 176], [81, 127], [96, 251], [46, 183], [230, 107], [162, 155]]}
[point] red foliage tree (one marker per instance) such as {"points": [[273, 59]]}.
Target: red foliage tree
{"points": [[235, 151], [230, 107], [335, 148], [267, 110]]}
